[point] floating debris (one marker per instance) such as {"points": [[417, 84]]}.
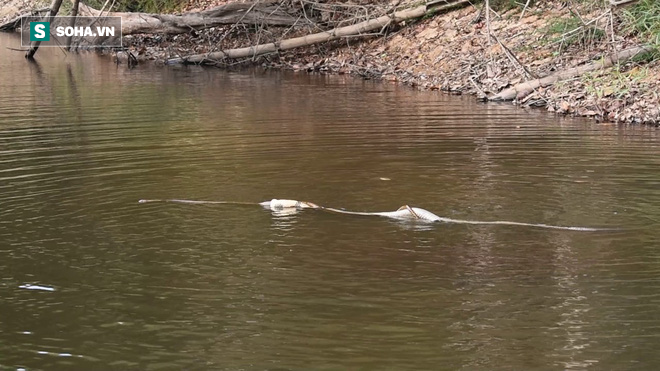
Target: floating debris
{"points": [[36, 287], [44, 352]]}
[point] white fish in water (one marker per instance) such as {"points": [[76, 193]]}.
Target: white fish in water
{"points": [[36, 287]]}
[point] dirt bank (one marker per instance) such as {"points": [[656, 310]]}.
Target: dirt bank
{"points": [[12, 8], [452, 52]]}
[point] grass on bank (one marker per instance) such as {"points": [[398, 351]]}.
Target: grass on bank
{"points": [[562, 30], [643, 18], [617, 83]]}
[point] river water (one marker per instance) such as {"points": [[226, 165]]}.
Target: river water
{"points": [[120, 285]]}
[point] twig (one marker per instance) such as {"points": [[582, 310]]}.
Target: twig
{"points": [[479, 90], [619, 3], [302, 7], [514, 60], [240, 22], [480, 15], [523, 11], [612, 28], [488, 20]]}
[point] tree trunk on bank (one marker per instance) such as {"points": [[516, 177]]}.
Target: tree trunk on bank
{"points": [[522, 90], [34, 46], [261, 13], [337, 33], [74, 14]]}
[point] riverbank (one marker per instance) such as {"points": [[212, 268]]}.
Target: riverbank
{"points": [[453, 52]]}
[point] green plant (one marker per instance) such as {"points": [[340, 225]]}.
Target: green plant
{"points": [[561, 25], [617, 83], [643, 18], [65, 8], [647, 57], [571, 31]]}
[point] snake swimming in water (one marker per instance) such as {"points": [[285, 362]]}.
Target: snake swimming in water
{"points": [[403, 213]]}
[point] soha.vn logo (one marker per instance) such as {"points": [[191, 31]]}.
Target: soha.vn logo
{"points": [[103, 32], [39, 31]]}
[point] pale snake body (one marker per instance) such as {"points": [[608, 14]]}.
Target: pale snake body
{"points": [[403, 213]]}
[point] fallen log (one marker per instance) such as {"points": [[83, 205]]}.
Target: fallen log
{"points": [[258, 13], [523, 89], [621, 3], [334, 34]]}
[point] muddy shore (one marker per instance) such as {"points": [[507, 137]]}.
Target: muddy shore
{"points": [[452, 52]]}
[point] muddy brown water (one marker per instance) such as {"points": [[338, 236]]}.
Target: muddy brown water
{"points": [[119, 285]]}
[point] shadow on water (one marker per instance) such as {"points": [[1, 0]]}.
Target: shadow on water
{"points": [[35, 67]]}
